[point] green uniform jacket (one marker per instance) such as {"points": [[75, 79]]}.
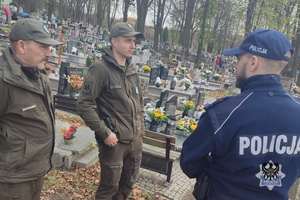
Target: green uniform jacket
{"points": [[26, 124], [110, 90]]}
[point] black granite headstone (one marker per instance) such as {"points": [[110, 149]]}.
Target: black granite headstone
{"points": [[164, 72], [147, 100], [66, 70], [153, 75], [170, 107], [162, 99]]}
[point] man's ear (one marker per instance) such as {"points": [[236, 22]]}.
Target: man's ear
{"points": [[114, 42], [254, 61], [21, 47]]}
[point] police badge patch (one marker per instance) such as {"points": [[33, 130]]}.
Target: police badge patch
{"points": [[87, 87], [270, 175]]}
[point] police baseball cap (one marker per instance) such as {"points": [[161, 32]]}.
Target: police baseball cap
{"points": [[124, 29], [31, 29], [266, 43]]}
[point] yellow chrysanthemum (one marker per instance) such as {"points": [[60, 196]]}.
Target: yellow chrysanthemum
{"points": [[193, 126], [158, 113]]}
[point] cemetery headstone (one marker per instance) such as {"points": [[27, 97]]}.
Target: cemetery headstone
{"points": [[147, 100], [170, 107], [153, 75], [201, 96], [164, 72], [163, 98]]}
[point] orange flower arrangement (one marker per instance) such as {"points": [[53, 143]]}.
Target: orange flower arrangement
{"points": [[74, 81]]}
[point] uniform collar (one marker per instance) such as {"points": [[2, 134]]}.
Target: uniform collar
{"points": [[263, 83]]}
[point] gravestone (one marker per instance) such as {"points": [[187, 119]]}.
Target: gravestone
{"points": [[164, 72], [170, 107], [162, 99], [147, 100], [153, 75], [66, 70], [201, 96]]}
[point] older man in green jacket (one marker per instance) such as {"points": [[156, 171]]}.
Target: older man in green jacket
{"points": [[26, 112]]}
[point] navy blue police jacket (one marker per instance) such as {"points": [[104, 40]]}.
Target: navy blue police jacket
{"points": [[249, 144]]}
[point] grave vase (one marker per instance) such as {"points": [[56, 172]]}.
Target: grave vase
{"points": [[187, 86], [197, 114], [157, 85], [154, 125], [185, 113], [73, 93], [68, 141]]}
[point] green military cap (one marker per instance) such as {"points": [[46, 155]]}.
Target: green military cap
{"points": [[31, 29], [124, 29]]}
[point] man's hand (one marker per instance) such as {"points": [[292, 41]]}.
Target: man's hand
{"points": [[111, 140]]}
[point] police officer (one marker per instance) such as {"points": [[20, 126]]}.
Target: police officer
{"points": [[111, 103], [248, 146], [26, 112]]}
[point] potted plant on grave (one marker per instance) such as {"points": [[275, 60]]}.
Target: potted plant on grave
{"points": [[156, 115], [68, 133]]}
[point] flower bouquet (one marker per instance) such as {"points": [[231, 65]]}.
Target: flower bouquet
{"points": [[200, 107], [187, 107], [155, 115], [74, 81], [147, 68], [187, 124], [184, 70], [68, 133], [198, 111], [216, 77], [186, 83]]}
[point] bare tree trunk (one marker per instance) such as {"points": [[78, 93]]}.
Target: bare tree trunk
{"points": [[51, 8], [111, 14], [250, 12], [187, 28], [158, 24], [296, 56], [202, 32], [100, 12], [142, 9], [89, 10], [60, 9], [126, 5]]}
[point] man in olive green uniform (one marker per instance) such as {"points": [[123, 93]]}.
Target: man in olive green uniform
{"points": [[111, 104], [26, 112]]}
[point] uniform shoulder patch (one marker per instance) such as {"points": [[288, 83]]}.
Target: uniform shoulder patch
{"points": [[87, 87], [210, 105]]}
